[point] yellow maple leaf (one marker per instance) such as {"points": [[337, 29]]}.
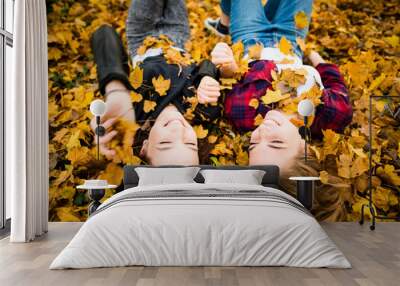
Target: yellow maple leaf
{"points": [[161, 85], [388, 173], [393, 40], [272, 96], [331, 140], [285, 46], [377, 81], [149, 106], [324, 177], [136, 97], [301, 20], [258, 120], [79, 156], [136, 77], [380, 105], [254, 103], [238, 51], [113, 174], [54, 54], [66, 214], [227, 83], [201, 132], [255, 51]]}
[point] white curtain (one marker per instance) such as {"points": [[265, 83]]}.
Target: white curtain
{"points": [[27, 124]]}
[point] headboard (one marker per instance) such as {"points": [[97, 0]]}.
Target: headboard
{"points": [[271, 177]]}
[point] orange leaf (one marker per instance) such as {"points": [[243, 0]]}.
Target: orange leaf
{"points": [[200, 131], [161, 85], [149, 105], [136, 77], [301, 20], [254, 103], [285, 46]]}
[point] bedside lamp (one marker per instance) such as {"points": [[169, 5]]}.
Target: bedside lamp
{"points": [[305, 108], [97, 188], [98, 108], [305, 185]]}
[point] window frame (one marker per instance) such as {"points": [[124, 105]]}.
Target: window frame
{"points": [[6, 39]]}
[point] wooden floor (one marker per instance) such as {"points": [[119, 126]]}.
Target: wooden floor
{"points": [[375, 257]]}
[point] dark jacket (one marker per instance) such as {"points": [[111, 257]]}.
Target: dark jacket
{"points": [[184, 81]]}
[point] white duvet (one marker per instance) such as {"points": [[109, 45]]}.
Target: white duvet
{"points": [[202, 231]]}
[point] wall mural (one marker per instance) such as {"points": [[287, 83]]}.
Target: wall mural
{"points": [[246, 116]]}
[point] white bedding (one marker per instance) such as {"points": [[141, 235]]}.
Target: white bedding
{"points": [[188, 231]]}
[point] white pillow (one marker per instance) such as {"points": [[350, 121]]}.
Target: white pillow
{"points": [[166, 176], [248, 177]]}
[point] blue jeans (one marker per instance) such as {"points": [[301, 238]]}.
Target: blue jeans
{"points": [[155, 18], [252, 23]]}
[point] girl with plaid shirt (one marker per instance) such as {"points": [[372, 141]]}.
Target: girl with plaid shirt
{"points": [[277, 140]]}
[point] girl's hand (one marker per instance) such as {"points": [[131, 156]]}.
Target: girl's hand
{"points": [[208, 90], [104, 140], [118, 105], [222, 57], [315, 58]]}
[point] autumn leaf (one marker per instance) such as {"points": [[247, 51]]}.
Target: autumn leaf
{"points": [[66, 214], [255, 51], [301, 20], [79, 156], [200, 131], [136, 97], [393, 41], [113, 174], [136, 77], [149, 106], [54, 54], [161, 85], [227, 83], [258, 120], [388, 173], [254, 103], [272, 96], [285, 46], [324, 177]]}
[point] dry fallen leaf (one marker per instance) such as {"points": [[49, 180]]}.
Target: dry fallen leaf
{"points": [[200, 131], [301, 20], [285, 46], [136, 77], [161, 85], [149, 106], [254, 103]]}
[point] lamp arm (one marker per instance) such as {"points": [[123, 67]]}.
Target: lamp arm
{"points": [[99, 131]]}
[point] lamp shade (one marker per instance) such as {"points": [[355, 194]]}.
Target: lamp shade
{"points": [[97, 107], [305, 107]]}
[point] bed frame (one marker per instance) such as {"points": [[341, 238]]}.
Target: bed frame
{"points": [[270, 179]]}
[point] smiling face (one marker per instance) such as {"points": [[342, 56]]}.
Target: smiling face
{"points": [[172, 140], [275, 142]]}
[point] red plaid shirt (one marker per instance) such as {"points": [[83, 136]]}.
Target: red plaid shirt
{"points": [[335, 113]]}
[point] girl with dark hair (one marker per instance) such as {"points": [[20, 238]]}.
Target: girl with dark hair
{"points": [[194, 90]]}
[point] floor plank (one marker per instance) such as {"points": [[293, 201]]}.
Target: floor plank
{"points": [[375, 257]]}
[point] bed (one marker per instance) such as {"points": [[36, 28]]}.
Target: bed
{"points": [[201, 224]]}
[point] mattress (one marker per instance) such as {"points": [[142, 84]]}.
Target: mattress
{"points": [[201, 225]]}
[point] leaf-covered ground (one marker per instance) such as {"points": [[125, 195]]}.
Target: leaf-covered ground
{"points": [[361, 36]]}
